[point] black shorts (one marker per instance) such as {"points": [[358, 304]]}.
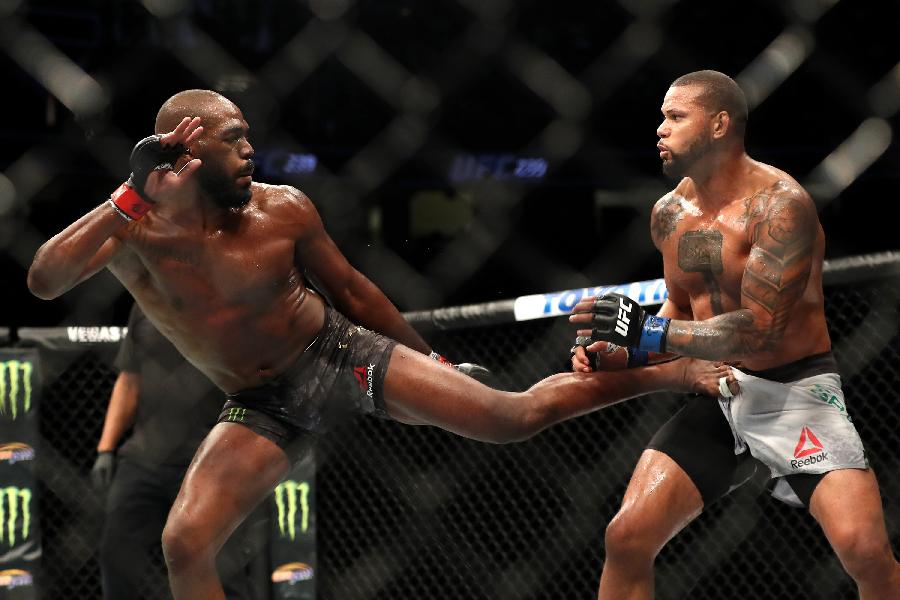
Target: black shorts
{"points": [[699, 439], [340, 374]]}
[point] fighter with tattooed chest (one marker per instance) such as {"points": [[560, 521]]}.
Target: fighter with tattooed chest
{"points": [[742, 251]]}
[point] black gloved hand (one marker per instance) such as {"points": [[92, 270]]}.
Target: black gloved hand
{"points": [[150, 155], [622, 321], [103, 470]]}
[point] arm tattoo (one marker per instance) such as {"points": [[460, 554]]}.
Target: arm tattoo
{"points": [[666, 215], [775, 276]]}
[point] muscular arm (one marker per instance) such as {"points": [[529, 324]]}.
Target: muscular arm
{"points": [[775, 277], [76, 253], [351, 291], [121, 411], [88, 244]]}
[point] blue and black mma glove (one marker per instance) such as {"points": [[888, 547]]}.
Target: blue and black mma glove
{"points": [[620, 320], [129, 199]]}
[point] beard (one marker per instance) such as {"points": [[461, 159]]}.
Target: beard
{"points": [[680, 164], [222, 188]]}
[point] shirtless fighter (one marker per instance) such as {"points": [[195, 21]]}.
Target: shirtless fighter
{"points": [[217, 263], [742, 252]]}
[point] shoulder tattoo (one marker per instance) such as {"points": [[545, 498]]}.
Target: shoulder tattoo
{"points": [[667, 213]]}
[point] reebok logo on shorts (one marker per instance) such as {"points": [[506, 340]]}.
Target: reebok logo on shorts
{"points": [[809, 450], [364, 377]]}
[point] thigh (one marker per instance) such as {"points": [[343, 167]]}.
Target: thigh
{"points": [[699, 440], [660, 499], [234, 469], [847, 504]]}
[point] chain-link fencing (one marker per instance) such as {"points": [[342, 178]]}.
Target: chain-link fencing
{"points": [[415, 512], [463, 151]]}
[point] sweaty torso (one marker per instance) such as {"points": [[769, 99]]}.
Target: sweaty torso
{"points": [[232, 299], [712, 266]]}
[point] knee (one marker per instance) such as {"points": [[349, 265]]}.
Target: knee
{"points": [[184, 544], [865, 557], [629, 538], [511, 418]]}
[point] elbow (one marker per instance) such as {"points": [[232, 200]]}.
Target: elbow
{"points": [[39, 286]]}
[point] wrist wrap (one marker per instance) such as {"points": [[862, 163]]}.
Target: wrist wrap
{"points": [[653, 334], [129, 203]]}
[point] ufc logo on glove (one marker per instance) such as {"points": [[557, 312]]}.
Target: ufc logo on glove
{"points": [[620, 320]]}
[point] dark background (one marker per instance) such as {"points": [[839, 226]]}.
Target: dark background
{"points": [[388, 96], [349, 89]]}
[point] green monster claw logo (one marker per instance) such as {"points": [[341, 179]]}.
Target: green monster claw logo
{"points": [[236, 415], [286, 497], [15, 385], [10, 497]]}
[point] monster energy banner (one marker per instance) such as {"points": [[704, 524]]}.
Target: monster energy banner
{"points": [[292, 542], [20, 547]]}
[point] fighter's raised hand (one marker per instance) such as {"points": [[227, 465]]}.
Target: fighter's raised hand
{"points": [[161, 166]]}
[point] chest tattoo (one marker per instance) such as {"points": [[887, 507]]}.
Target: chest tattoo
{"points": [[701, 252]]}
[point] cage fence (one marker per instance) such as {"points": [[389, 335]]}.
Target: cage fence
{"points": [[440, 200], [416, 512]]}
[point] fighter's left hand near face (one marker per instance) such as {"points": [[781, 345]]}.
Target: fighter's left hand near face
{"points": [[169, 179], [619, 319]]}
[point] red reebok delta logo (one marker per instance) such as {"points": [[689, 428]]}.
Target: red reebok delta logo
{"points": [[360, 374], [814, 447]]}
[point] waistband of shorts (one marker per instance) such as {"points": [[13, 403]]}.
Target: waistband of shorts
{"points": [[816, 364], [332, 319]]}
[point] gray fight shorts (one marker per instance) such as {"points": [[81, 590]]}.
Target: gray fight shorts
{"points": [[795, 427]]}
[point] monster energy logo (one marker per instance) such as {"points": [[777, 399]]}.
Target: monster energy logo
{"points": [[14, 500], [236, 414], [286, 499], [15, 385]]}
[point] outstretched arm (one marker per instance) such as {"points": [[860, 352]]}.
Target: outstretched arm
{"points": [[351, 291]]}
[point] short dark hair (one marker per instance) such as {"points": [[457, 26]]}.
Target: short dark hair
{"points": [[720, 92]]}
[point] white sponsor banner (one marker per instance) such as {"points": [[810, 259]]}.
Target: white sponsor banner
{"points": [[554, 304]]}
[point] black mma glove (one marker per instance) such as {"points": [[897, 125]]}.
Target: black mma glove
{"points": [[621, 320], [148, 155], [103, 469]]}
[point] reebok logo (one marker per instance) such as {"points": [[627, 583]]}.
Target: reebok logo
{"points": [[360, 374], [623, 320], [809, 450], [364, 377]]}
